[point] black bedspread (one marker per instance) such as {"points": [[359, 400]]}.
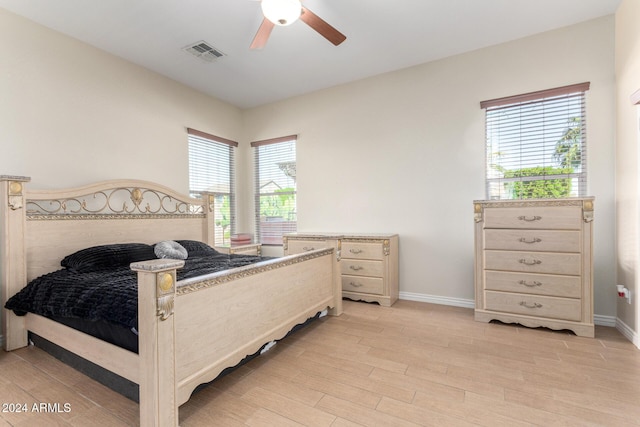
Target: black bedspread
{"points": [[105, 294]]}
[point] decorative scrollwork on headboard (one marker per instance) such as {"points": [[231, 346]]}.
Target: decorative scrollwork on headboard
{"points": [[123, 202]]}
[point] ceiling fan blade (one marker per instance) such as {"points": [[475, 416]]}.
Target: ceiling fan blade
{"points": [[321, 26], [261, 37]]}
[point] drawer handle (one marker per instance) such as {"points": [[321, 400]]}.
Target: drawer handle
{"points": [[355, 285], [529, 262], [355, 251], [534, 305], [534, 240], [529, 218], [307, 249], [355, 267], [530, 285]]}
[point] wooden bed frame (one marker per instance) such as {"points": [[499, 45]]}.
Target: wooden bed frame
{"points": [[189, 331]]}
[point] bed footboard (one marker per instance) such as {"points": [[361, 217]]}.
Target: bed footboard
{"points": [[192, 330]]}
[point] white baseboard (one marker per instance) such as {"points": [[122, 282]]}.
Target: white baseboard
{"points": [[629, 333], [600, 320], [434, 299]]}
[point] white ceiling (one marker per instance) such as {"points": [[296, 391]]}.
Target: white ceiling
{"points": [[382, 36]]}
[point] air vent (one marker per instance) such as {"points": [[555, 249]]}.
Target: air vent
{"points": [[204, 51]]}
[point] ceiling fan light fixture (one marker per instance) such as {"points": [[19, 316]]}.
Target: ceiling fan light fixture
{"points": [[281, 12]]}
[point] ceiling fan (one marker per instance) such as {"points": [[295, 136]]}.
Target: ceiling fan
{"points": [[286, 12]]}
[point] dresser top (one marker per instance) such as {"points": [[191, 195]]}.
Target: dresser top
{"points": [[569, 201], [328, 235]]}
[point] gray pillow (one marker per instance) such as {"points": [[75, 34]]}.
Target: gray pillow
{"points": [[170, 249]]}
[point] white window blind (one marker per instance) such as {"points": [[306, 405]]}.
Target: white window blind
{"points": [[536, 144], [212, 171], [275, 188]]}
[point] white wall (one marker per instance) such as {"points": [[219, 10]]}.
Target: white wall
{"points": [[404, 152], [627, 171], [71, 114]]}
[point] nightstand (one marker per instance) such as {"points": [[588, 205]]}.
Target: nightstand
{"points": [[368, 262], [248, 249]]}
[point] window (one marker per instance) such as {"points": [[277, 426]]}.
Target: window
{"points": [[275, 188], [536, 144], [211, 170]]}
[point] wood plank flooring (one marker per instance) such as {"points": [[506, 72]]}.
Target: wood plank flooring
{"points": [[413, 364]]}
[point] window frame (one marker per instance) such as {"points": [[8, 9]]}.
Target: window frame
{"points": [[278, 228], [529, 134], [221, 144]]}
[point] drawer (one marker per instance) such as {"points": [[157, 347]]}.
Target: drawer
{"points": [[540, 284], [300, 246], [362, 250], [358, 267], [542, 217], [534, 305], [533, 262], [532, 240], [366, 285]]}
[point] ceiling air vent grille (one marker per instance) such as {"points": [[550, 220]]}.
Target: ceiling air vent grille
{"points": [[204, 51]]}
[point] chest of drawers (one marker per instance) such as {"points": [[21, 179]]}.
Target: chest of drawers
{"points": [[533, 263], [368, 262]]}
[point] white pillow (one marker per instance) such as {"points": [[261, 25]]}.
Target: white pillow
{"points": [[170, 249]]}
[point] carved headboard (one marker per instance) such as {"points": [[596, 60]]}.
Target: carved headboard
{"points": [[39, 228]]}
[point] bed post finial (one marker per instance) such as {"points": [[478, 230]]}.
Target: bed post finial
{"points": [[13, 188], [13, 263]]}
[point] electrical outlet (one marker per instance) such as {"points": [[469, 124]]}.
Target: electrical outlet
{"points": [[624, 292]]}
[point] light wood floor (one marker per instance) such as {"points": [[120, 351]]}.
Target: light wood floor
{"points": [[411, 364]]}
